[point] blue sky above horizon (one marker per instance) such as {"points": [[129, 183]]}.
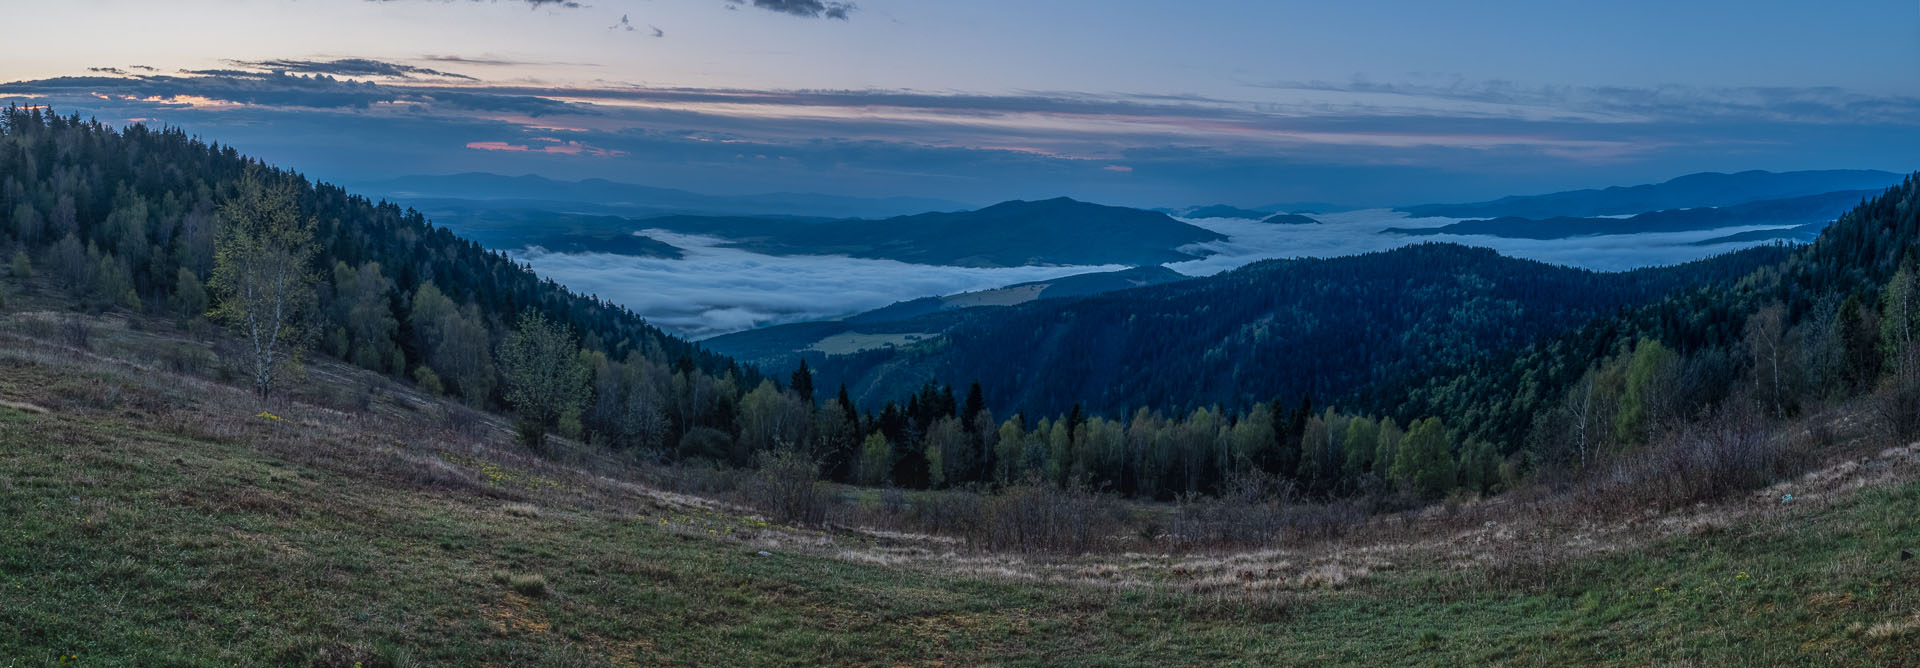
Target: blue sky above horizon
{"points": [[1133, 102]]}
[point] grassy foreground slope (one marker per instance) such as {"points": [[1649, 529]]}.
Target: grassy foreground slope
{"points": [[156, 518]]}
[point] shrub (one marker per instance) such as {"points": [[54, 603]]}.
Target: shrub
{"points": [[428, 381], [1728, 452], [77, 333], [1037, 517], [787, 487], [532, 585], [531, 434]]}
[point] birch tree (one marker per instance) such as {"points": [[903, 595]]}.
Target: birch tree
{"points": [[262, 275]]}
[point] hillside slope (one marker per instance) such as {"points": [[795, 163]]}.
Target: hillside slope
{"points": [[1285, 328], [902, 323], [193, 527]]}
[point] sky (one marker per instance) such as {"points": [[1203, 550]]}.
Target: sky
{"points": [[1136, 102]]}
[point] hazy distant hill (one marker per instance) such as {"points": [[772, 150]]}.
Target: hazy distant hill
{"points": [[1050, 232], [1224, 211], [530, 191], [1795, 212], [1693, 190], [1289, 219], [1058, 231]]}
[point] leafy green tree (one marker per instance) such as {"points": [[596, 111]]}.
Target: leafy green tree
{"points": [[1648, 380], [1425, 461], [1386, 445], [22, 266], [545, 380], [428, 381], [1009, 447], [454, 342], [876, 460], [262, 276], [950, 452], [1479, 467], [771, 418], [1899, 316], [1362, 436], [361, 303], [189, 298]]}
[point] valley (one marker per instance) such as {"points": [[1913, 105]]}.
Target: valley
{"points": [[556, 333]]}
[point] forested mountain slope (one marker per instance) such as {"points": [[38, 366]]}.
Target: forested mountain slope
{"points": [[129, 218], [782, 346], [1284, 328], [1838, 307]]}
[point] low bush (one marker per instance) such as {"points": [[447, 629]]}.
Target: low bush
{"points": [[1038, 517], [787, 486], [1730, 451]]}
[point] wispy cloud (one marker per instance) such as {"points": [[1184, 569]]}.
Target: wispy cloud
{"points": [[627, 25], [537, 4], [803, 8], [548, 145], [352, 67], [1391, 143], [1818, 104]]}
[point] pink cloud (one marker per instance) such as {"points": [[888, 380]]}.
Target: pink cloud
{"points": [[555, 147]]}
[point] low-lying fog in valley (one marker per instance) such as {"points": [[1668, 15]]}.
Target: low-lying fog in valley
{"points": [[715, 289]]}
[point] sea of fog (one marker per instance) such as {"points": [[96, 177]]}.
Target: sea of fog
{"points": [[713, 289]]}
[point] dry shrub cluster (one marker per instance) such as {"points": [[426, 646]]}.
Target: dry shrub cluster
{"points": [[1730, 451], [1256, 511], [1037, 517], [787, 486]]}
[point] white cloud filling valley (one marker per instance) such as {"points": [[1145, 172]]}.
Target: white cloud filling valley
{"points": [[714, 289]]}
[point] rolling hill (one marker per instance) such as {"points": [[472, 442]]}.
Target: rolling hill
{"points": [[1051, 232], [1330, 327], [1057, 231], [1693, 190], [1811, 210], [908, 322]]}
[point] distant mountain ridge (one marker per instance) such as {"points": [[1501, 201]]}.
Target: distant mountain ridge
{"points": [[1693, 190], [1224, 211], [1059, 231], [1289, 219], [1794, 212]]}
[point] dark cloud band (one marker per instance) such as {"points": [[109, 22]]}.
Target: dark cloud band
{"points": [[349, 67], [812, 9]]}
